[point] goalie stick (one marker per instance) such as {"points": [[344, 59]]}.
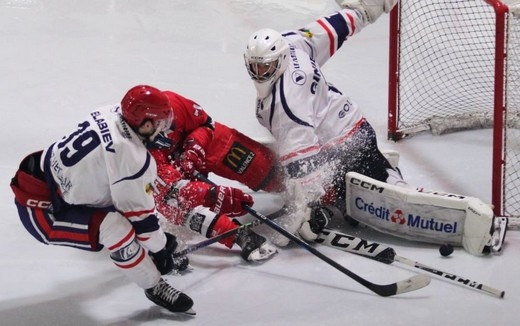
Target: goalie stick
{"points": [[229, 233], [387, 255], [410, 284]]}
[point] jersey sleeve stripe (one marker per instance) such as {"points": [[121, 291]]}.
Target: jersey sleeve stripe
{"points": [[138, 213], [332, 48], [306, 150]]}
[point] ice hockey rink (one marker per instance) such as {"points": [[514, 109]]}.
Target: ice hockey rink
{"points": [[60, 59]]}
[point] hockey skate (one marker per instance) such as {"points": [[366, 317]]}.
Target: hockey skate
{"points": [[318, 217], [181, 264], [167, 297], [254, 246]]}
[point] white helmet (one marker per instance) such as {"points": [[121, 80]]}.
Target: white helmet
{"points": [[266, 59]]}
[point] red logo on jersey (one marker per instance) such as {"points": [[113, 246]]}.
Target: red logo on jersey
{"points": [[398, 217]]}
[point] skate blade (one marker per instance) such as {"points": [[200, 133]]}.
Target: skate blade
{"points": [[262, 254], [190, 312]]}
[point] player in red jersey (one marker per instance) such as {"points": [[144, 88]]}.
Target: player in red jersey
{"points": [[194, 142]]}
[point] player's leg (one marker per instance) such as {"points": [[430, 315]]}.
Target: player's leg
{"points": [[235, 156], [118, 236]]}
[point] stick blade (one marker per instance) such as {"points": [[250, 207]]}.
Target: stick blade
{"points": [[413, 283]]}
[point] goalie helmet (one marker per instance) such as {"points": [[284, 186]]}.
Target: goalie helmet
{"points": [[146, 103], [266, 58]]}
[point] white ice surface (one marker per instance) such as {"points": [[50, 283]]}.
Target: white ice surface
{"points": [[59, 59]]}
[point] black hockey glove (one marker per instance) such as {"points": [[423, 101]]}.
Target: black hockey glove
{"points": [[163, 259]]}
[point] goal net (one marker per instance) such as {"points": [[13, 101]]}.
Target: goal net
{"points": [[455, 65]]}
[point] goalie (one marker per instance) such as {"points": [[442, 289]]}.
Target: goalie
{"points": [[321, 134]]}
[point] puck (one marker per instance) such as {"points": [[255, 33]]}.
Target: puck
{"points": [[446, 250]]}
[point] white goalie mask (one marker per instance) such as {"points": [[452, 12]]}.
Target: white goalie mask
{"points": [[266, 59]]}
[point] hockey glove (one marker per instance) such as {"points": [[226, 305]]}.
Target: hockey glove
{"points": [[193, 158], [227, 200], [163, 259]]}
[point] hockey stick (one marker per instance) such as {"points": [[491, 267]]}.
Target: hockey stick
{"points": [[229, 233], [387, 255], [410, 284]]}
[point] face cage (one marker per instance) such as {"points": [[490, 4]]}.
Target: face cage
{"points": [[160, 125], [261, 71]]}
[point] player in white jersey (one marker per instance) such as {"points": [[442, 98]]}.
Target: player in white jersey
{"points": [[93, 189], [321, 134]]}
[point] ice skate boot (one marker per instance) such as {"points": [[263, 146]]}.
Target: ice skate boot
{"points": [[164, 295], [317, 218], [181, 264], [254, 246]]}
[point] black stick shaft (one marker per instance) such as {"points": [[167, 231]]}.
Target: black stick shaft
{"points": [[413, 283], [387, 255]]}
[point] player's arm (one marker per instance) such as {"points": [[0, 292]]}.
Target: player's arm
{"points": [[371, 10], [199, 129], [322, 38]]}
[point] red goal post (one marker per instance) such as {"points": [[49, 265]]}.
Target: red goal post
{"points": [[455, 65]]}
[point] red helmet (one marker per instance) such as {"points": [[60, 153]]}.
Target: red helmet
{"points": [[142, 103]]}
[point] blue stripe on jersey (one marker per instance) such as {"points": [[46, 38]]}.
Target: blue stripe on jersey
{"points": [[287, 110], [273, 106], [338, 22], [140, 173], [288, 33], [311, 50]]}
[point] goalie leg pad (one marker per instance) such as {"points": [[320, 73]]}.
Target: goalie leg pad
{"points": [[420, 216]]}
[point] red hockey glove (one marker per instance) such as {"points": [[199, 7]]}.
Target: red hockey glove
{"points": [[193, 158], [227, 200]]}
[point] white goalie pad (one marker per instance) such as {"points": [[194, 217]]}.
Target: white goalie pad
{"points": [[431, 217]]}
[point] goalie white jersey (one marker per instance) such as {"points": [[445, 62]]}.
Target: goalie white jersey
{"points": [[303, 111]]}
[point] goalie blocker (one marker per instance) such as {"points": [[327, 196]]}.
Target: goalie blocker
{"points": [[431, 217]]}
